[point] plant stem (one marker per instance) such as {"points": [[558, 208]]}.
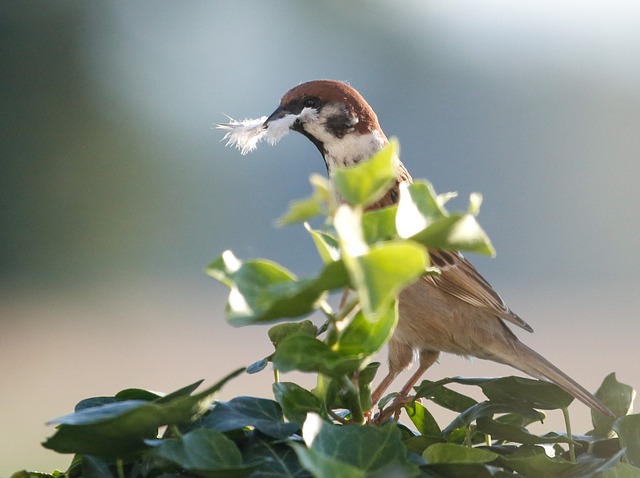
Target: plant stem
{"points": [[567, 424], [120, 468]]}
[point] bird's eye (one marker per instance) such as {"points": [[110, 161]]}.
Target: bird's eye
{"points": [[310, 102]]}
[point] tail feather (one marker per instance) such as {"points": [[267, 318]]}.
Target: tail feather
{"points": [[534, 364]]}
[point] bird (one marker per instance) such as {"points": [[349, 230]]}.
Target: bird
{"points": [[456, 311]]}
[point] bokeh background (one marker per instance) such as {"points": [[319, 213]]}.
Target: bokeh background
{"points": [[115, 191]]}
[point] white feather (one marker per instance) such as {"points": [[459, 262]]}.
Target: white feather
{"points": [[246, 134]]}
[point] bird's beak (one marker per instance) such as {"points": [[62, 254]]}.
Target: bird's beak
{"points": [[279, 113]]}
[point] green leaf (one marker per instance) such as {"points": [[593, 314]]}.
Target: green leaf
{"points": [[515, 433], [380, 225], [380, 272], [93, 467], [532, 461], [274, 459], [443, 396], [119, 429], [365, 337], [307, 354], [373, 451], [618, 397], [366, 182], [452, 453], [535, 393], [304, 209], [418, 208], [326, 244], [296, 401], [241, 412], [322, 466], [279, 332], [488, 409], [205, 452], [622, 470], [459, 231], [262, 291], [628, 429], [422, 419]]}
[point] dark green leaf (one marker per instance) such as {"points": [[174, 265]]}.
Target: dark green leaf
{"points": [[514, 433], [296, 401], [621, 470], [241, 412], [93, 467], [366, 182], [275, 459], [628, 429], [618, 397], [443, 396], [488, 409], [94, 402], [263, 291], [535, 393], [374, 451], [120, 429], [206, 452], [532, 461], [322, 466], [140, 394]]}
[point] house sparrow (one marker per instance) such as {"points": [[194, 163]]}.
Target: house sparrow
{"points": [[456, 311]]}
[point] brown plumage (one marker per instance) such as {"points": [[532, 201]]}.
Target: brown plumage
{"points": [[456, 311]]}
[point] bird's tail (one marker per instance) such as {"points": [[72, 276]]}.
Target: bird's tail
{"points": [[534, 364]]}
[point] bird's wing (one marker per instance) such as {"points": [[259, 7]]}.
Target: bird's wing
{"points": [[460, 279]]}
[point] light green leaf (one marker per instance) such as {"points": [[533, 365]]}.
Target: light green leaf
{"points": [[304, 209], [418, 208], [383, 271], [307, 354], [365, 337], [380, 225], [262, 291], [460, 232], [452, 453], [326, 244], [366, 182]]}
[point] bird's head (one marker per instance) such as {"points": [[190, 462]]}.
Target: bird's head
{"points": [[335, 117]]}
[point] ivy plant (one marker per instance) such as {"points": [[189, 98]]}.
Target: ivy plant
{"points": [[331, 431]]}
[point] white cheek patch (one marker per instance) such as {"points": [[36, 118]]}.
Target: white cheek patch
{"points": [[246, 134]]}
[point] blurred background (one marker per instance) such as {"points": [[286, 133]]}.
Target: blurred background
{"points": [[115, 191]]}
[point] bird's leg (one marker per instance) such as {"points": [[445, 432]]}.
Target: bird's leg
{"points": [[400, 355], [427, 359]]}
